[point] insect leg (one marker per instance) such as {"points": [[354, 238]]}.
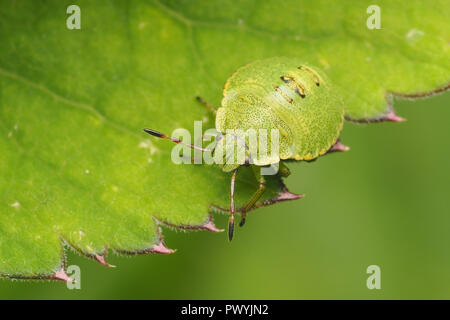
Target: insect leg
{"points": [[283, 170], [208, 107], [255, 197], [231, 219], [163, 136]]}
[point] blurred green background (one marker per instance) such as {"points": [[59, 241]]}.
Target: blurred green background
{"points": [[386, 202]]}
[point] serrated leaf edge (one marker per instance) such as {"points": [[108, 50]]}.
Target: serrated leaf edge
{"points": [[389, 115]]}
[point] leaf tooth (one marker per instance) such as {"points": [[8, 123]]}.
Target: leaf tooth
{"points": [[102, 260], [161, 248], [287, 195], [210, 226], [393, 117], [338, 146], [388, 115], [61, 275]]}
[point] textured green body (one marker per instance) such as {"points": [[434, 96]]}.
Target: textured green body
{"points": [[285, 94]]}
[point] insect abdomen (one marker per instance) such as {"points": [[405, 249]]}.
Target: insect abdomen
{"points": [[285, 94]]}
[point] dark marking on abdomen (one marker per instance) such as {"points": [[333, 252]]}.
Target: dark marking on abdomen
{"points": [[298, 87]]}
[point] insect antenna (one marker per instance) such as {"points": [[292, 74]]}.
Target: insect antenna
{"points": [[164, 136], [232, 209]]}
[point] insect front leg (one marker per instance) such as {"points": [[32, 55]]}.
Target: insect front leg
{"points": [[208, 107], [255, 197], [283, 170], [232, 209]]}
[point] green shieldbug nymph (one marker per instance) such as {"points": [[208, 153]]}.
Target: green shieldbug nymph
{"points": [[279, 93]]}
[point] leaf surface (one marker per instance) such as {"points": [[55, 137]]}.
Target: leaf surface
{"points": [[76, 168]]}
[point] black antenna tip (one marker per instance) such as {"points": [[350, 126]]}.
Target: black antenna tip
{"points": [[155, 133], [230, 228]]}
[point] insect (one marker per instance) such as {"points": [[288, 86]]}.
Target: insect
{"points": [[279, 93]]}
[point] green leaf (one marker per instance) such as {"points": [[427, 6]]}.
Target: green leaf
{"points": [[76, 168]]}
